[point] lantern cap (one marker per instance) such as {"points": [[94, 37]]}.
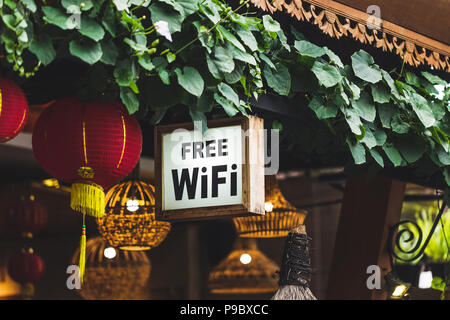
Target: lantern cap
{"points": [[246, 270], [129, 222], [277, 221]]}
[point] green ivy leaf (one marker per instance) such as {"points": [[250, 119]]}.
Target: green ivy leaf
{"points": [[227, 105], [433, 79], [323, 109], [220, 62], [230, 37], [393, 154], [353, 120], [109, 20], [380, 93], [398, 125], [58, 17], [87, 50], [422, 110], [243, 56], [42, 48], [91, 29], [327, 75], [247, 38], [357, 150], [363, 67], [30, 5], [125, 72], [365, 107], [163, 12], [385, 112], [411, 147], [229, 93], [129, 99], [334, 58], [110, 52], [377, 157], [306, 48], [270, 24], [279, 80], [191, 80]]}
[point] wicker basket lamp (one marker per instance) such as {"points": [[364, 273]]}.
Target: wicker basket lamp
{"points": [[280, 217], [246, 270], [118, 277], [129, 222]]}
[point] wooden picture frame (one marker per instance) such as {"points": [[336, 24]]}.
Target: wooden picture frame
{"points": [[252, 172]]}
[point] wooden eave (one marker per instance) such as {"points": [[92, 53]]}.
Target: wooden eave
{"points": [[422, 46]]}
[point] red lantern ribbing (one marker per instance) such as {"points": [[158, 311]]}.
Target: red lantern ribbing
{"points": [[90, 145], [26, 268], [28, 216], [13, 109]]}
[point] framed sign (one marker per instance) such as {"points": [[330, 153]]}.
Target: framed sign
{"points": [[216, 173]]}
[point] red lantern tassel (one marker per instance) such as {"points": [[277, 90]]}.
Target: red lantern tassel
{"points": [[82, 261]]}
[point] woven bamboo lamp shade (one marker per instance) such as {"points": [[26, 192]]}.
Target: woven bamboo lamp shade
{"points": [[129, 222], [246, 270], [120, 276], [280, 217]]}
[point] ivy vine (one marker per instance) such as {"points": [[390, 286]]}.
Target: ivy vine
{"points": [[215, 57]]}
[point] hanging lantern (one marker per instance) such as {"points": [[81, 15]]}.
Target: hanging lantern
{"points": [[280, 217], [26, 268], [129, 222], [13, 109], [90, 145], [246, 270], [28, 216], [112, 274]]}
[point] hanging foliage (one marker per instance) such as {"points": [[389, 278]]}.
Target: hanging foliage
{"points": [[206, 56]]}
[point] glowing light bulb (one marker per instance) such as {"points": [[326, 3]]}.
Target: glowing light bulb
{"points": [[425, 279], [268, 206], [399, 291], [109, 253], [245, 258], [132, 205]]}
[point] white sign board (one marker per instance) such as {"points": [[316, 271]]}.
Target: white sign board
{"points": [[209, 174]]}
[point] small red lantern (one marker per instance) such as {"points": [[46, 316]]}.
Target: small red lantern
{"points": [[26, 268], [13, 109], [90, 145], [28, 216]]}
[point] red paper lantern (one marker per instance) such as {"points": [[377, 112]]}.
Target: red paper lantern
{"points": [[26, 268], [90, 145], [28, 216], [13, 110]]}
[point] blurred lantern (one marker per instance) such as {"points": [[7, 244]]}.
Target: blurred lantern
{"points": [[28, 216], [13, 109], [112, 274], [129, 222], [279, 219], [26, 268], [246, 270], [90, 145]]}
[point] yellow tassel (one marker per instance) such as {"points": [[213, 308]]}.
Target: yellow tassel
{"points": [[88, 199], [82, 261]]}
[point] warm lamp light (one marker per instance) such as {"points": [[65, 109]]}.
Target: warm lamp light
{"points": [[280, 215], [246, 270], [245, 258], [110, 253], [129, 222]]}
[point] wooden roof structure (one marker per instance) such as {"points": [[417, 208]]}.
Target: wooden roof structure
{"points": [[417, 30]]}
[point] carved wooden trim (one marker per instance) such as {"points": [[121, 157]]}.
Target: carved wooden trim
{"points": [[337, 20]]}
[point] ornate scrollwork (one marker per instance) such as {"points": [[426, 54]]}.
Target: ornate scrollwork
{"points": [[405, 236], [337, 26]]}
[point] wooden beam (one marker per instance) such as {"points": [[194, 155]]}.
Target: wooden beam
{"points": [[370, 207]]}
